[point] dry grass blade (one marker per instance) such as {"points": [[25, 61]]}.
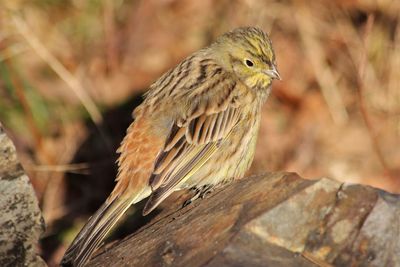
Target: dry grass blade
{"points": [[323, 73], [58, 68], [360, 81], [81, 168], [111, 39], [394, 81], [23, 101]]}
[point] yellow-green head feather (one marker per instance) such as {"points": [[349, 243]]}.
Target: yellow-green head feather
{"points": [[248, 53]]}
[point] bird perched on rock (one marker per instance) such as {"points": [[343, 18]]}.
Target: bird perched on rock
{"points": [[197, 128]]}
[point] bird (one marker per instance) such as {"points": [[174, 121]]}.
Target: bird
{"points": [[196, 128]]}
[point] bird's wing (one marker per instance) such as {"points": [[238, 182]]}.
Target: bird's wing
{"points": [[194, 137]]}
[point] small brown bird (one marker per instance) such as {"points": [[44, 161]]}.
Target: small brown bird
{"points": [[197, 128]]}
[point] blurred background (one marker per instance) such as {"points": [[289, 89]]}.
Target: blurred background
{"points": [[72, 71]]}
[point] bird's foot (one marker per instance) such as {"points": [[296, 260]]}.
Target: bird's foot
{"points": [[206, 190], [201, 192], [196, 195]]}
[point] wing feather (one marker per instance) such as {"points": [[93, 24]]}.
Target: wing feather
{"points": [[194, 137]]}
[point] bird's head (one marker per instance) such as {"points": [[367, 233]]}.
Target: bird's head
{"points": [[248, 53]]}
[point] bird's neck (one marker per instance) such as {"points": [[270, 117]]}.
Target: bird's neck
{"points": [[262, 94]]}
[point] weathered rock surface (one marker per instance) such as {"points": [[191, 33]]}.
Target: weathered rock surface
{"points": [[21, 222], [276, 219]]}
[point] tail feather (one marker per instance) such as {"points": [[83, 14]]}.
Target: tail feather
{"points": [[94, 231]]}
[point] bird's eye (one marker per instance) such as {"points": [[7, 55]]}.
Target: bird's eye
{"points": [[249, 63]]}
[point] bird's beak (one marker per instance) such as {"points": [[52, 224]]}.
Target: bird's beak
{"points": [[273, 73]]}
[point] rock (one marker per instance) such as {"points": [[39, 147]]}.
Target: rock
{"points": [[275, 219], [21, 222]]}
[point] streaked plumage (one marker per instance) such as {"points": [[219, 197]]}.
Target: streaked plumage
{"points": [[196, 128]]}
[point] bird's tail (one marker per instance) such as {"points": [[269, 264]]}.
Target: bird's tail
{"points": [[94, 231]]}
